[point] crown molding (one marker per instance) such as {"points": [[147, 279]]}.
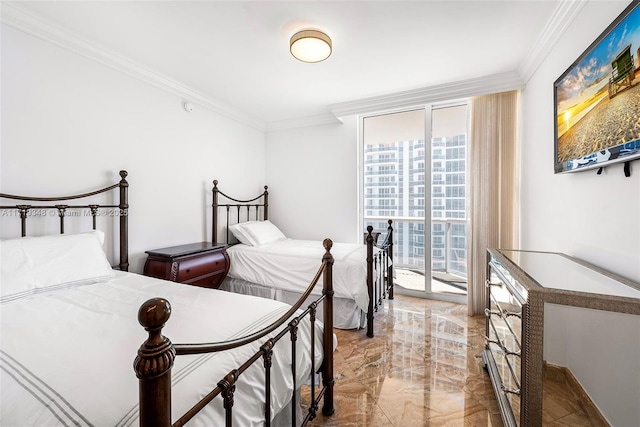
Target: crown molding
{"points": [[566, 11], [29, 23], [563, 15], [443, 92], [322, 119]]}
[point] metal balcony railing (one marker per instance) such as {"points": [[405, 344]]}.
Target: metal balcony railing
{"points": [[449, 251]]}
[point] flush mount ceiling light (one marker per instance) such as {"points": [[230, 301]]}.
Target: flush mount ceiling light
{"points": [[310, 46]]}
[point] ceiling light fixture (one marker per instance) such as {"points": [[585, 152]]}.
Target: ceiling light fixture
{"points": [[310, 46]]}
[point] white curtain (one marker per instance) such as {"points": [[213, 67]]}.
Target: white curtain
{"points": [[494, 189]]}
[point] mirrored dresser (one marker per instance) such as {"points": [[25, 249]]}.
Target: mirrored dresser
{"points": [[518, 285]]}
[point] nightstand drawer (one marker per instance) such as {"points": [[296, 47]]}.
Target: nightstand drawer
{"points": [[211, 281], [194, 268]]}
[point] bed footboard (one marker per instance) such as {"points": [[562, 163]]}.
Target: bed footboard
{"points": [[379, 273], [157, 354]]}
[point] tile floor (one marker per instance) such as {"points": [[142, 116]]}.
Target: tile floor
{"points": [[424, 368]]}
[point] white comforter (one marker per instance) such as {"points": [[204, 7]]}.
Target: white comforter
{"points": [[291, 264], [67, 355]]}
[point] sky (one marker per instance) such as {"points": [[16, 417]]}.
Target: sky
{"points": [[584, 78]]}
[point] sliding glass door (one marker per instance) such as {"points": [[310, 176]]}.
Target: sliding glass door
{"points": [[421, 187]]}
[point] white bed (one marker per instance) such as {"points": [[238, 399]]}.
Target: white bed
{"points": [[69, 338], [269, 265], [281, 269]]}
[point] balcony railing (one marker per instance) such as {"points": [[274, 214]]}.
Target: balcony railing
{"points": [[375, 149], [381, 172], [448, 248]]}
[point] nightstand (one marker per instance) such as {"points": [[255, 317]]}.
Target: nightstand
{"points": [[201, 264]]}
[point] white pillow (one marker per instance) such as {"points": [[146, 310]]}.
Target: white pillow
{"points": [[239, 234], [261, 233], [31, 263]]}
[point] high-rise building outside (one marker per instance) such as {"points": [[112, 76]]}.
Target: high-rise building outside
{"points": [[394, 187]]}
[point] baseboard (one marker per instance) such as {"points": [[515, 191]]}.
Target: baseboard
{"points": [[564, 375]]}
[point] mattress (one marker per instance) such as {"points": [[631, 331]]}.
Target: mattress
{"points": [[67, 353], [290, 265]]}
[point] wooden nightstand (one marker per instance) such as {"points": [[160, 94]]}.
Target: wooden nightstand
{"points": [[202, 264]]}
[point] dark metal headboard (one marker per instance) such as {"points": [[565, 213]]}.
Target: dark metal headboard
{"points": [[123, 206], [238, 205]]}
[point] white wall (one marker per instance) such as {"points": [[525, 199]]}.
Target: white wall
{"points": [[593, 217], [313, 180], [589, 216], [69, 124], [602, 350]]}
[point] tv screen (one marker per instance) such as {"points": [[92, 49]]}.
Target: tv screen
{"points": [[597, 100]]}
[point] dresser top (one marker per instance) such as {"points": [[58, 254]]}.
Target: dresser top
{"points": [[557, 271], [190, 248]]}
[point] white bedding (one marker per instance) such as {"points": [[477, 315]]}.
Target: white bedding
{"points": [[290, 264], [67, 354]]}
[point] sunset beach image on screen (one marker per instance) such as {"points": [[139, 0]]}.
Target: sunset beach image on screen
{"points": [[597, 100]]}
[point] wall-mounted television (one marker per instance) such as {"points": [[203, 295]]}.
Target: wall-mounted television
{"points": [[597, 100]]}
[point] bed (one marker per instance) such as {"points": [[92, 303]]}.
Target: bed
{"points": [[69, 336], [265, 263]]}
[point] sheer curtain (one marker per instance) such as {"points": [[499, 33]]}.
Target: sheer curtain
{"points": [[494, 189]]}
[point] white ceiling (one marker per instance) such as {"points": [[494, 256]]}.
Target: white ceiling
{"points": [[234, 55]]}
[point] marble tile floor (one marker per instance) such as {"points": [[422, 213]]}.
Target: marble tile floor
{"points": [[424, 368]]}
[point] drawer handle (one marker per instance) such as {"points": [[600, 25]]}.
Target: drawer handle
{"points": [[488, 284], [501, 314], [504, 349], [488, 340], [510, 390], [188, 270], [511, 313]]}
